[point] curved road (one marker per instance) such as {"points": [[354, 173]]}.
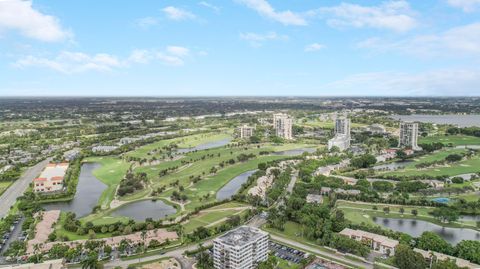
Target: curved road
{"points": [[9, 197]]}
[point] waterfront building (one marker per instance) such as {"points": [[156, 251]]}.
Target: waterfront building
{"points": [[51, 178], [241, 248], [408, 135], [378, 243], [283, 124]]}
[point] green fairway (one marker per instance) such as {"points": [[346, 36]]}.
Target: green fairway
{"points": [[111, 173], [200, 165], [182, 142], [455, 140], [329, 124], [463, 167], [363, 212], [207, 218]]}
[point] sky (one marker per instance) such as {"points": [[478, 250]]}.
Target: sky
{"points": [[239, 48]]}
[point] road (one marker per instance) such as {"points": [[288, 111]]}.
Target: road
{"points": [[357, 264], [177, 253], [292, 182], [9, 197]]}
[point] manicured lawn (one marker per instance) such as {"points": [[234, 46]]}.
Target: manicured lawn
{"points": [[436, 156], [206, 218], [111, 173], [463, 167], [362, 213], [456, 140], [183, 142], [4, 186], [212, 184], [284, 264], [324, 124], [60, 231], [201, 165]]}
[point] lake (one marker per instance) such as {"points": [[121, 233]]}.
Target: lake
{"points": [[294, 152], [415, 228], [459, 120], [392, 165], [209, 145], [89, 190], [141, 210], [233, 185]]}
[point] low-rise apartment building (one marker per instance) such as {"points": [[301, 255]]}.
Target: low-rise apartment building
{"points": [[378, 243], [51, 178]]}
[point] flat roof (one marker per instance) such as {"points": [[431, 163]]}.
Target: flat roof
{"points": [[375, 237], [241, 236], [54, 171]]}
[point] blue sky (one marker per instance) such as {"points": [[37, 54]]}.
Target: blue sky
{"points": [[239, 47]]}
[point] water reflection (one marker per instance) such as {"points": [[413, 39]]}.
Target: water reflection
{"points": [[89, 190], [415, 228]]}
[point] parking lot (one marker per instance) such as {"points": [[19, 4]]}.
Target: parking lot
{"points": [[15, 233], [287, 253]]}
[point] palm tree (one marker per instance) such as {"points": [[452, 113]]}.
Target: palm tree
{"points": [[144, 235], [36, 248], [91, 262]]}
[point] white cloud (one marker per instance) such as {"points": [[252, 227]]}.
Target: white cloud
{"points": [[21, 16], [72, 62], [209, 5], [465, 5], [69, 62], [178, 51], [177, 14], [146, 22], [314, 47], [449, 82], [457, 41], [392, 15], [257, 40], [265, 9]]}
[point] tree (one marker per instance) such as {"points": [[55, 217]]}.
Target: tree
{"points": [[363, 161], [414, 212], [446, 214], [401, 155], [402, 210], [204, 260], [432, 241], [91, 261], [386, 210], [406, 258], [469, 250], [453, 158], [144, 235]]}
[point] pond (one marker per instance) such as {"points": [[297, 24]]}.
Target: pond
{"points": [[294, 152], [415, 228], [233, 185], [141, 210], [89, 190], [392, 166], [459, 120], [443, 200], [209, 145]]}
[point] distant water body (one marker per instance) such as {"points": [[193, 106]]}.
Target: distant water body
{"points": [[459, 120]]}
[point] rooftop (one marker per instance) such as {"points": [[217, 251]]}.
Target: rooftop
{"points": [[375, 237], [54, 171], [241, 236]]}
